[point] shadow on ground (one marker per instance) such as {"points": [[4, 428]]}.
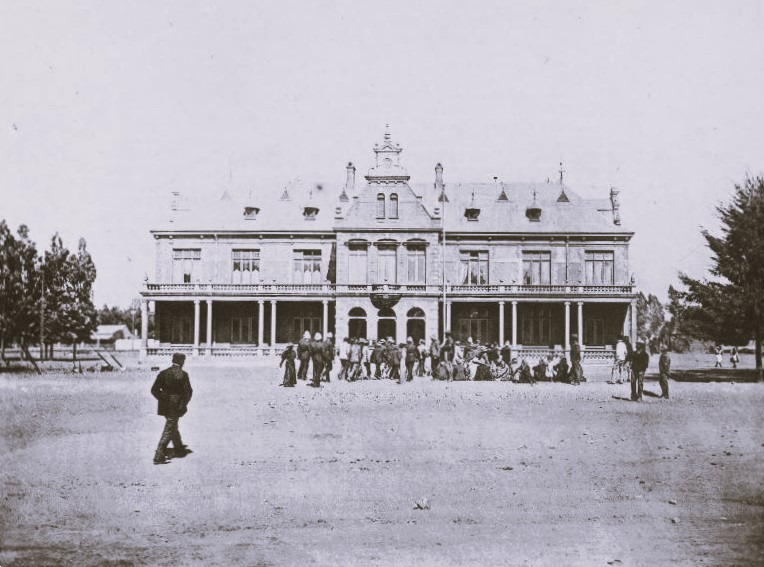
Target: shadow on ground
{"points": [[716, 375]]}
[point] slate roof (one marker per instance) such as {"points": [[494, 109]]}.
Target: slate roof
{"points": [[577, 215], [276, 214]]}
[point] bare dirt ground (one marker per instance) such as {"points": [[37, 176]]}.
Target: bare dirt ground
{"points": [[514, 474]]}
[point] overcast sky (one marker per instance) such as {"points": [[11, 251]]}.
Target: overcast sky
{"points": [[108, 106]]}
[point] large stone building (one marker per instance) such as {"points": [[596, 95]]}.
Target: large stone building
{"points": [[531, 263]]}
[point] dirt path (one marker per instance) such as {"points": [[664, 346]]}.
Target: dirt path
{"points": [[513, 474]]}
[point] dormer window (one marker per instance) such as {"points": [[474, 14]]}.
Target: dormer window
{"points": [[472, 214], [310, 213], [250, 213], [393, 206], [380, 205], [533, 213]]}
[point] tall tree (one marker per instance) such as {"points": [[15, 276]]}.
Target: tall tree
{"points": [[19, 287], [677, 331], [650, 320], [70, 316], [730, 307]]}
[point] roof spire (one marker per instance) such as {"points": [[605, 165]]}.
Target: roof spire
{"points": [[387, 131], [561, 172]]}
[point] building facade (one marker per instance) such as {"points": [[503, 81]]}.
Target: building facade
{"points": [[528, 263]]}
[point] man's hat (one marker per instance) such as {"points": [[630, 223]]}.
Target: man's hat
{"points": [[306, 335], [178, 358], [448, 332], [289, 345]]}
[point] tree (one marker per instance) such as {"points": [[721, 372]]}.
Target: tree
{"points": [[650, 320], [676, 332], [70, 316], [730, 307], [19, 288]]}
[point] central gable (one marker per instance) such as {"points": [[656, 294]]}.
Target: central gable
{"points": [[386, 201]]}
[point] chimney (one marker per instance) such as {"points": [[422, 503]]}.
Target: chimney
{"points": [[616, 205], [438, 177], [350, 179]]}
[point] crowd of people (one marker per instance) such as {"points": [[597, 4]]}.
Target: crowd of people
{"points": [[448, 360]]}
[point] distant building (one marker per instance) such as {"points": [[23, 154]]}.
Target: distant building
{"points": [[532, 263], [108, 335]]}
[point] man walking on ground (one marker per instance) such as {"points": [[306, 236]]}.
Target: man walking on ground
{"points": [[394, 360], [620, 361], [639, 364], [172, 389], [434, 357], [447, 355], [327, 347], [376, 358], [355, 360], [412, 356], [664, 366], [422, 350], [577, 371], [303, 353], [317, 359], [344, 359]]}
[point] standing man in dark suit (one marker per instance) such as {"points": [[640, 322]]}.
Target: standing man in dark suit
{"points": [[412, 356], [447, 355], [317, 359], [303, 353], [639, 364], [172, 389]]}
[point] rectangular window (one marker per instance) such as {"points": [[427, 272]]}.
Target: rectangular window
{"points": [[245, 266], [185, 265], [416, 265], [387, 265], [307, 267], [536, 325], [537, 268], [599, 268], [181, 330], [242, 330], [474, 266], [357, 267]]}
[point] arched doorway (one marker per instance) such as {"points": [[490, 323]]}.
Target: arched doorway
{"points": [[386, 324], [357, 323], [415, 324]]}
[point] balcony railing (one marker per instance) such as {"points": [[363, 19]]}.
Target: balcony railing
{"points": [[327, 290]]}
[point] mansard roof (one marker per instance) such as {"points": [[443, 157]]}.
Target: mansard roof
{"points": [[281, 209], [576, 215]]}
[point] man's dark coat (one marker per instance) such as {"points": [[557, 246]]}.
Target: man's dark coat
{"points": [[173, 390]]}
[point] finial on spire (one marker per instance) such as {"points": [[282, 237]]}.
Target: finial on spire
{"points": [[561, 172], [387, 131]]}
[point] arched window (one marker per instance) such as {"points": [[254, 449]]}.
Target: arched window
{"points": [[393, 207], [380, 205], [357, 323], [415, 325], [386, 326]]}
